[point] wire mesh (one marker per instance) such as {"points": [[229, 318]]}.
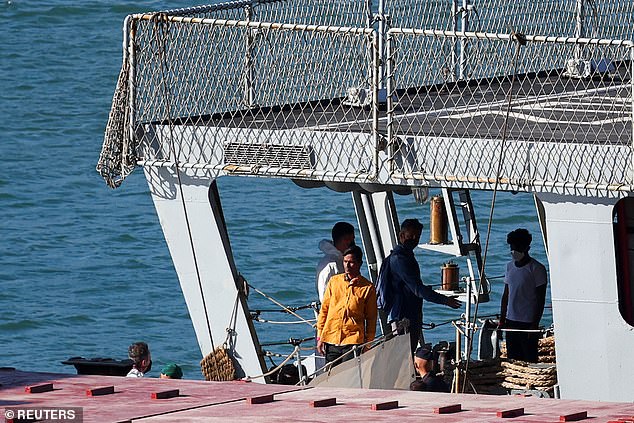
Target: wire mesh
{"points": [[561, 127], [295, 88]]}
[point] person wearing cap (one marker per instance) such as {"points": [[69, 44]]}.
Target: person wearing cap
{"points": [[427, 380], [171, 371], [347, 317], [139, 353], [400, 289], [523, 300]]}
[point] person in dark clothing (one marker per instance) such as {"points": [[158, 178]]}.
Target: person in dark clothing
{"points": [[400, 289], [428, 381], [523, 299]]}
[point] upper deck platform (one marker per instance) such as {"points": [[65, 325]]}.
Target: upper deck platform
{"points": [[376, 103]]}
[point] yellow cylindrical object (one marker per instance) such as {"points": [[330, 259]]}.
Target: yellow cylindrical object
{"points": [[449, 272], [438, 221]]}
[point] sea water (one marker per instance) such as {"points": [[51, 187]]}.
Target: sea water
{"points": [[85, 269]]}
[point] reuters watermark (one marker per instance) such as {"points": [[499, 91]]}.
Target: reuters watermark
{"points": [[44, 414]]}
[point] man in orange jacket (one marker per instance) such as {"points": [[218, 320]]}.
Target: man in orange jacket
{"points": [[348, 312]]}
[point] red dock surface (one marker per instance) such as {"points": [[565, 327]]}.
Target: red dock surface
{"points": [[227, 401]]}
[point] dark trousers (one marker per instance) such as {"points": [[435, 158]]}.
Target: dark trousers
{"points": [[521, 345], [333, 352]]}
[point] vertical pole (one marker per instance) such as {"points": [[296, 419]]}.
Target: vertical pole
{"points": [[375, 101], [249, 96], [468, 329], [579, 27], [382, 27], [464, 23], [631, 47], [454, 42], [390, 102], [456, 377]]}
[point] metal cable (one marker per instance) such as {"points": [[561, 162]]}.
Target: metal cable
{"points": [[520, 40]]}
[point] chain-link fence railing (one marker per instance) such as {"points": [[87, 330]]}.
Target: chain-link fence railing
{"points": [[299, 88]]}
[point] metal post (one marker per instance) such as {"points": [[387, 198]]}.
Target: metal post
{"points": [[632, 91], [579, 27], [249, 95], [375, 101], [390, 148], [454, 43], [300, 370], [456, 377], [468, 329], [464, 21], [381, 14]]}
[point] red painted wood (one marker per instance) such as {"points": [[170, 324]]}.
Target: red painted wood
{"points": [[328, 402], [36, 389], [510, 413], [574, 417], [165, 394], [448, 409], [385, 405], [260, 400], [94, 392]]}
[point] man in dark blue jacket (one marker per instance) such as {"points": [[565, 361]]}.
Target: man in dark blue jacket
{"points": [[400, 289]]}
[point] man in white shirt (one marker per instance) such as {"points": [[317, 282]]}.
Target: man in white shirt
{"points": [[332, 261], [523, 298], [139, 353]]}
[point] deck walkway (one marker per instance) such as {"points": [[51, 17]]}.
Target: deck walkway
{"points": [[228, 401]]}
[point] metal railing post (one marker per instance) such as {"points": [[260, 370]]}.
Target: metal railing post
{"points": [[390, 148], [464, 23], [249, 95]]}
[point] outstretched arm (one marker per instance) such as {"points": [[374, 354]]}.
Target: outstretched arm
{"points": [[410, 274]]}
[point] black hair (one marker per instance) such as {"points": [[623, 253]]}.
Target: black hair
{"points": [[356, 252], [411, 225], [520, 238], [340, 230]]}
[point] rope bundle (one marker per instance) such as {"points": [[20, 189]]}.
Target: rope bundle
{"points": [[217, 365]]}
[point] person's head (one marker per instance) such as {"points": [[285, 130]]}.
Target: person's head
{"points": [[519, 241], [139, 353], [423, 360], [352, 260], [342, 236], [409, 236], [171, 371]]}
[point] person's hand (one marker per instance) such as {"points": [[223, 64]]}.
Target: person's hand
{"points": [[453, 302], [321, 347], [501, 322]]}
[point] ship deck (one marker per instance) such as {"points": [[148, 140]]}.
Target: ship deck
{"points": [[131, 400], [554, 112]]}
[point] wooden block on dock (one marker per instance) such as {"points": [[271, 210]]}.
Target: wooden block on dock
{"points": [[511, 413], [448, 409], [385, 405], [574, 417], [263, 399], [165, 394], [36, 389], [328, 402], [106, 390]]}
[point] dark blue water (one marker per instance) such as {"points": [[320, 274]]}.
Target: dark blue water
{"points": [[85, 269]]}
